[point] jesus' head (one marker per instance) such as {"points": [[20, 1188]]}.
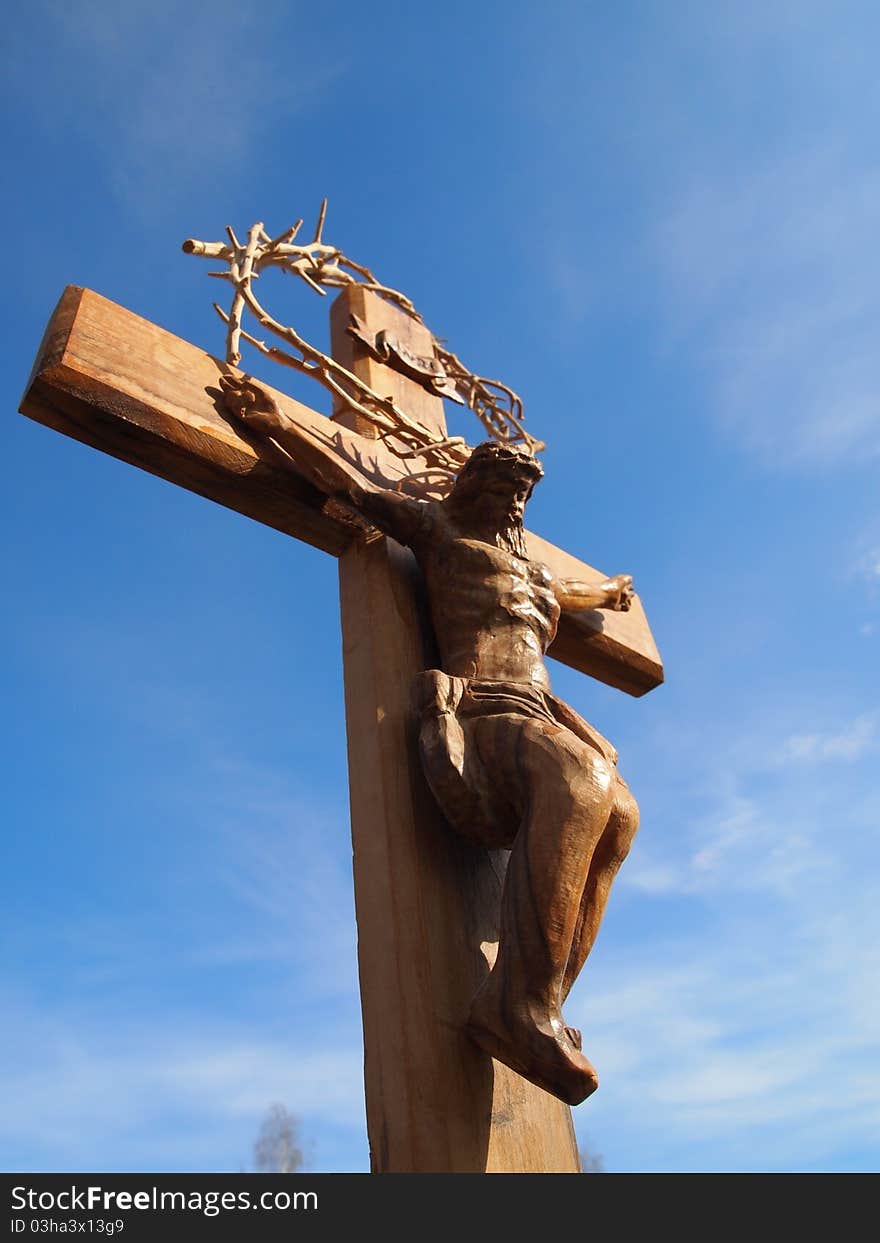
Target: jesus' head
{"points": [[491, 490]]}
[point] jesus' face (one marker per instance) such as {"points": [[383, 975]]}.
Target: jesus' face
{"points": [[495, 484]]}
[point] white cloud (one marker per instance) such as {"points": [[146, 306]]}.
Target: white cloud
{"points": [[78, 1087], [739, 1029], [868, 565], [738, 845], [752, 813], [848, 744], [756, 1052], [182, 94], [774, 277]]}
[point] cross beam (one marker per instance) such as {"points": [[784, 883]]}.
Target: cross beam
{"points": [[113, 380]]}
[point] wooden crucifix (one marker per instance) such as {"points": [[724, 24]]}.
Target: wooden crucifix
{"points": [[428, 898]]}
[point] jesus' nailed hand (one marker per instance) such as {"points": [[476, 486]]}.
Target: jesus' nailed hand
{"points": [[510, 764]]}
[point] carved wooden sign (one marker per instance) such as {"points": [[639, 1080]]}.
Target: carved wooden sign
{"points": [[425, 369]]}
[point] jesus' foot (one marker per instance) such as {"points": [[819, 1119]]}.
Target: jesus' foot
{"points": [[536, 1045]]}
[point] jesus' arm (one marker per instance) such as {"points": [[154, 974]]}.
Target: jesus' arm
{"points": [[614, 593], [399, 516]]}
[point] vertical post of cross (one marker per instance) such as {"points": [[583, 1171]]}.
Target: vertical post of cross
{"points": [[427, 902]]}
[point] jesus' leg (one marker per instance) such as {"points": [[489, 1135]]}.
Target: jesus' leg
{"points": [[566, 791], [611, 850]]}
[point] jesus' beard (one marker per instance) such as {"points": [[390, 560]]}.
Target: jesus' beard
{"points": [[509, 534], [512, 537]]}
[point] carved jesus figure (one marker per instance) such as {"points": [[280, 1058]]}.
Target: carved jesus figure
{"points": [[510, 764]]}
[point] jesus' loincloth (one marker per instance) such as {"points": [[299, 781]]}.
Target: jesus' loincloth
{"points": [[465, 722]]}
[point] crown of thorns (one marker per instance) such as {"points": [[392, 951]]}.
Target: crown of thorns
{"points": [[323, 266]]}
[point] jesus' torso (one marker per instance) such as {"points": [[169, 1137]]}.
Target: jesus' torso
{"points": [[494, 613]]}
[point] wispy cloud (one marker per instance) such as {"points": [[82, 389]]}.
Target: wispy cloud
{"points": [[746, 1036], [755, 807], [182, 93], [170, 1027], [868, 564], [776, 276], [755, 1052], [86, 1085], [763, 223], [848, 744], [738, 846]]}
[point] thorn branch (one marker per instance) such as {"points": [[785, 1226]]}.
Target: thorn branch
{"points": [[322, 267]]}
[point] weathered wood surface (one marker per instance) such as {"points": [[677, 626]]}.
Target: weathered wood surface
{"points": [[427, 902], [117, 382]]}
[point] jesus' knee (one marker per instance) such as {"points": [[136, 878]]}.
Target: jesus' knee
{"points": [[623, 824], [568, 774]]}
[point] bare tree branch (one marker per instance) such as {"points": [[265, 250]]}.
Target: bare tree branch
{"points": [[278, 1148]]}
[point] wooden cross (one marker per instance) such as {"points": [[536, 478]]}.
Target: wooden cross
{"points": [[426, 901]]}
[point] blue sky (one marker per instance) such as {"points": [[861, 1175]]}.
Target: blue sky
{"points": [[658, 222]]}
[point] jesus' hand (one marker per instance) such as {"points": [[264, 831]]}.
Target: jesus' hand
{"points": [[619, 593], [251, 403]]}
